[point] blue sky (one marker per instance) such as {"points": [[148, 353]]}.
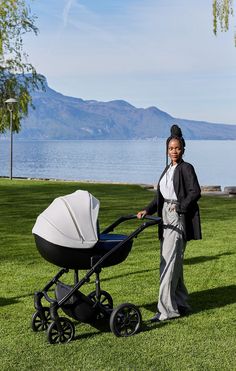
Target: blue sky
{"points": [[150, 53]]}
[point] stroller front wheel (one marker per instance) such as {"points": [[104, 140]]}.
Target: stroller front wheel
{"points": [[41, 320], [125, 320], [61, 331]]}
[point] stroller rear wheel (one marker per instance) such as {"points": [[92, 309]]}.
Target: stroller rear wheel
{"points": [[104, 298], [62, 331], [41, 320], [125, 320]]}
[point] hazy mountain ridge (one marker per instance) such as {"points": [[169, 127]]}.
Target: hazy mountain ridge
{"points": [[61, 117]]}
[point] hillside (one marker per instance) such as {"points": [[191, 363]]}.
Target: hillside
{"points": [[61, 117]]}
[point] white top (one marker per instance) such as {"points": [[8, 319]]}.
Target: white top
{"points": [[166, 184], [70, 221]]}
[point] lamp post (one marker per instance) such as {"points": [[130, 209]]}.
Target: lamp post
{"points": [[10, 104]]}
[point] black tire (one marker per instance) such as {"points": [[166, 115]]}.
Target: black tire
{"points": [[105, 299], [125, 320], [40, 321], [63, 335]]}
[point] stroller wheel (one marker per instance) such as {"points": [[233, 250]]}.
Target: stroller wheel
{"points": [[41, 320], [105, 298], [125, 320], [61, 332]]}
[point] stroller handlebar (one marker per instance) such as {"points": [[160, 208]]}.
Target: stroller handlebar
{"points": [[157, 219], [152, 221]]}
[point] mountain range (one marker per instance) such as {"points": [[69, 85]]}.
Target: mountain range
{"points": [[61, 117]]}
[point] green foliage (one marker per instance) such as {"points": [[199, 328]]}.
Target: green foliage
{"points": [[16, 20], [17, 76], [222, 10], [203, 341]]}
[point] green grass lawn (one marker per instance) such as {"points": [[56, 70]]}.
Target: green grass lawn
{"points": [[203, 341]]}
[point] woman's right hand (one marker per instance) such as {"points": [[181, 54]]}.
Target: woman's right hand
{"points": [[141, 214]]}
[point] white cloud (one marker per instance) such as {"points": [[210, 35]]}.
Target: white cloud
{"points": [[66, 11], [146, 38]]}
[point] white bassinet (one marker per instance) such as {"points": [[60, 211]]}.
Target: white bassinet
{"points": [[66, 233]]}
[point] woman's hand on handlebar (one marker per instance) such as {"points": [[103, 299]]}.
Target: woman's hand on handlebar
{"points": [[141, 214]]}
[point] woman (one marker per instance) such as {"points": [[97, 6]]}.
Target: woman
{"points": [[176, 201]]}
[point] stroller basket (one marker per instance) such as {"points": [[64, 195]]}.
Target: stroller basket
{"points": [[78, 306]]}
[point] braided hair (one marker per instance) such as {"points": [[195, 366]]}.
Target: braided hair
{"points": [[175, 133]]}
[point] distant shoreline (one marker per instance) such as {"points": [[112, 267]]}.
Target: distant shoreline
{"points": [[206, 190], [125, 161]]}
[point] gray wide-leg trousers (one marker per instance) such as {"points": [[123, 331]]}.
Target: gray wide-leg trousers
{"points": [[172, 292]]}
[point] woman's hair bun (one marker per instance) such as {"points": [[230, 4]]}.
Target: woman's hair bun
{"points": [[175, 131]]}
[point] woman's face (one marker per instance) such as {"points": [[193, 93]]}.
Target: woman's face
{"points": [[175, 151]]}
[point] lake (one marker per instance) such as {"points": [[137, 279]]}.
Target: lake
{"points": [[128, 161]]}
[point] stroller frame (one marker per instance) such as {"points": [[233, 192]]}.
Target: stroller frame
{"points": [[125, 320]]}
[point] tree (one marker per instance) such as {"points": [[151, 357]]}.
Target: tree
{"points": [[222, 11], [18, 78]]}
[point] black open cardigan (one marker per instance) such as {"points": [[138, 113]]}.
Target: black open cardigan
{"points": [[188, 192]]}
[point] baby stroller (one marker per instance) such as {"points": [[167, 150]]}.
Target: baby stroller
{"points": [[67, 235]]}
